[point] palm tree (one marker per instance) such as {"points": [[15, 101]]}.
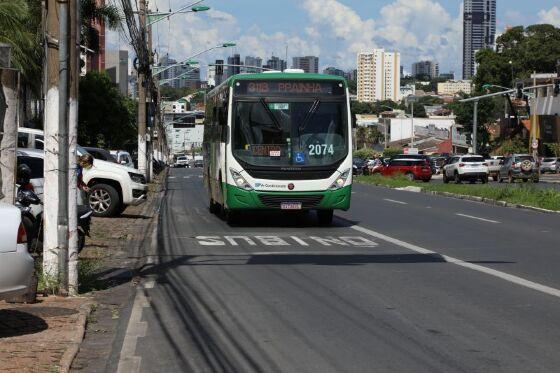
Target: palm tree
{"points": [[95, 13]]}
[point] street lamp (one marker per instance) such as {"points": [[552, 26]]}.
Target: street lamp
{"points": [[412, 99], [158, 16], [159, 69]]}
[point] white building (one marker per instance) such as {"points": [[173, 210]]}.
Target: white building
{"points": [[454, 87], [211, 76], [408, 90], [379, 76]]}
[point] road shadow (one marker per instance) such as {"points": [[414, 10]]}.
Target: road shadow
{"points": [[14, 323], [134, 216]]}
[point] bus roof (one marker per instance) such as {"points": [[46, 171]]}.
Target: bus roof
{"points": [[284, 76]]}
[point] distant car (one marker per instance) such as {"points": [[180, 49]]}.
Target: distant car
{"points": [[102, 154], [436, 164], [412, 168], [494, 165], [466, 167], [123, 158], [16, 265], [550, 165], [359, 167], [519, 166], [182, 161]]}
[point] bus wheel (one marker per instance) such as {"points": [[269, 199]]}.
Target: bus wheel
{"points": [[325, 217], [213, 207]]}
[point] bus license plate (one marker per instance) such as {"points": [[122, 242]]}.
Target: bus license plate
{"points": [[290, 205]]}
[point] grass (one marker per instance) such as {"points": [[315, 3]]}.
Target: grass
{"points": [[88, 269], [526, 194]]}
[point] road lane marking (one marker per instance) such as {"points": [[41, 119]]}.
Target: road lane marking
{"points": [[186, 177], [477, 218], [355, 241], [172, 177], [395, 201], [476, 267]]}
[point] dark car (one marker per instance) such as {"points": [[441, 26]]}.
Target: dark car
{"points": [[101, 154], [412, 168], [359, 167]]}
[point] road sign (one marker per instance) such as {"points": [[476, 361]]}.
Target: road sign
{"points": [[535, 144], [410, 151]]}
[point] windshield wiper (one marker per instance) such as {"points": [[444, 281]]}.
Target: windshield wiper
{"points": [[310, 114], [271, 114]]}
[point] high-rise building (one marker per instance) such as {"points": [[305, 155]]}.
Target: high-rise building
{"points": [[116, 66], [96, 61], [219, 72], [309, 64], [275, 63], [252, 64], [334, 71], [378, 76], [236, 61], [190, 77], [479, 31], [425, 68]]}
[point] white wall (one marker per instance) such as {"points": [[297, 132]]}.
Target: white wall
{"points": [[401, 128]]}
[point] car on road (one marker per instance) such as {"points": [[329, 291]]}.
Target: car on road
{"points": [[423, 157], [436, 164], [466, 167], [102, 154], [550, 165], [412, 168], [16, 265], [519, 166], [182, 161], [359, 166], [494, 164]]}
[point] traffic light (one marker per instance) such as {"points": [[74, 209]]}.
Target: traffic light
{"points": [[556, 89], [519, 88]]}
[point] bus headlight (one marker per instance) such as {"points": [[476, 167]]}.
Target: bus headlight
{"points": [[240, 180], [340, 181]]}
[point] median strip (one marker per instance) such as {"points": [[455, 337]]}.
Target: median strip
{"points": [[524, 196]]}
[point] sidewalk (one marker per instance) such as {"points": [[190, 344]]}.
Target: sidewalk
{"points": [[48, 336], [41, 337]]}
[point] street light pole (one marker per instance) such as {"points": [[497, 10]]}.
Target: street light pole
{"points": [[142, 159], [475, 126]]}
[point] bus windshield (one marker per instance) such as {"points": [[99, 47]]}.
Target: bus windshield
{"points": [[290, 132]]}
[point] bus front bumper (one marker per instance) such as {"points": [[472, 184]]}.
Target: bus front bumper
{"points": [[240, 199]]}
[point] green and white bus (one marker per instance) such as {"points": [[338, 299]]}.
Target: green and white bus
{"points": [[278, 141]]}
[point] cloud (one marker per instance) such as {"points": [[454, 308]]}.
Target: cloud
{"points": [[551, 16]]}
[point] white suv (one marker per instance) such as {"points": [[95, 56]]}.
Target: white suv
{"points": [[16, 265], [466, 167]]}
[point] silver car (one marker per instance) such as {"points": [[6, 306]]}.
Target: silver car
{"points": [[519, 166], [550, 165]]}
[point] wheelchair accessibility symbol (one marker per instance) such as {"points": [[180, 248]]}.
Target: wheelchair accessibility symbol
{"points": [[300, 157]]}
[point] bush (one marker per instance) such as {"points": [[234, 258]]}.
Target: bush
{"points": [[391, 152], [364, 153]]}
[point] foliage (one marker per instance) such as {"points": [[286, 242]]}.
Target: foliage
{"points": [[353, 86], [511, 146], [365, 153], [534, 48], [172, 94], [464, 112], [391, 152], [368, 136], [553, 148], [107, 118], [93, 12], [522, 194]]}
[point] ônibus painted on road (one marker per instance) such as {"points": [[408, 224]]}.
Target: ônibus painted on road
{"points": [[279, 141]]}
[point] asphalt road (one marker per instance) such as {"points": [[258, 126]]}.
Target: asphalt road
{"points": [[403, 282]]}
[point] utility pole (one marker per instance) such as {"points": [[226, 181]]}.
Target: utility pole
{"points": [[52, 194], [9, 89], [63, 91], [475, 126], [72, 143], [534, 140], [142, 167]]}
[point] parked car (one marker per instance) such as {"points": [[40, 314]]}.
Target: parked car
{"points": [[16, 265], [30, 138], [182, 161], [359, 167], [466, 167], [519, 166], [113, 187], [436, 164], [550, 165], [123, 158], [102, 154], [374, 165], [412, 168], [494, 163]]}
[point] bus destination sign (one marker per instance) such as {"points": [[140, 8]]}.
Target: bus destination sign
{"points": [[289, 88]]}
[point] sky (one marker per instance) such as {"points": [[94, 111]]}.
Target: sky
{"points": [[334, 30]]}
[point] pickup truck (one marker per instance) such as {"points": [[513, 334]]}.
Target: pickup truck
{"points": [[494, 164]]}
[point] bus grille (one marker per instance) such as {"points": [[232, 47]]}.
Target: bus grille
{"points": [[307, 202]]}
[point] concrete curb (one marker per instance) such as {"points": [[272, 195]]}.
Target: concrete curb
{"points": [[71, 352], [487, 201]]}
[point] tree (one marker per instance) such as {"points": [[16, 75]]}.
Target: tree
{"points": [[93, 12], [534, 48], [107, 118], [464, 111], [391, 152]]}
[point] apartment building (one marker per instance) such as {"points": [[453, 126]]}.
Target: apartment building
{"points": [[378, 76]]}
